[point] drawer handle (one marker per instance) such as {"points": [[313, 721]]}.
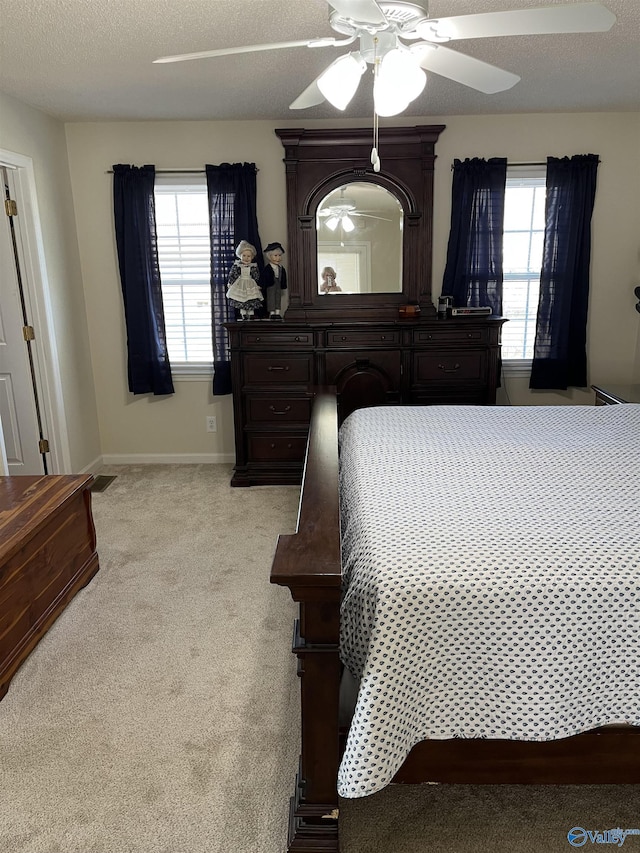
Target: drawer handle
{"points": [[283, 412], [383, 337], [453, 369], [257, 339], [343, 338], [297, 337], [273, 445], [277, 367]]}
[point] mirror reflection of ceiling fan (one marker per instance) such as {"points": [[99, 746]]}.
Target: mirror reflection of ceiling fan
{"points": [[400, 41], [341, 212]]}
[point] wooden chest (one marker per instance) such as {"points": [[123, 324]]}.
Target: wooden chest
{"points": [[47, 554]]}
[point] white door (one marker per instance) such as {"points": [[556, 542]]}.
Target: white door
{"points": [[19, 411]]}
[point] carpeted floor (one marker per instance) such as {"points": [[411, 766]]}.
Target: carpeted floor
{"points": [[159, 714]]}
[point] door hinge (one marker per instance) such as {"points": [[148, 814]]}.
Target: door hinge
{"points": [[43, 444], [10, 207], [28, 333]]}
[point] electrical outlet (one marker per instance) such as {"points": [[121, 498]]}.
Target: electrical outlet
{"points": [[212, 423]]}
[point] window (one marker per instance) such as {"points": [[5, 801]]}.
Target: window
{"points": [[524, 214], [182, 223]]}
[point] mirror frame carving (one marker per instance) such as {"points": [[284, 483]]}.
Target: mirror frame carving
{"points": [[318, 161]]}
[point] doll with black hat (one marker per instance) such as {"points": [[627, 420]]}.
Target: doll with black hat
{"points": [[243, 290], [273, 281]]}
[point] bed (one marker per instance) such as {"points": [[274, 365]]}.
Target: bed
{"points": [[475, 572]]}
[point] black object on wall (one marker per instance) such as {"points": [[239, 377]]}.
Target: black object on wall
{"points": [[637, 293]]}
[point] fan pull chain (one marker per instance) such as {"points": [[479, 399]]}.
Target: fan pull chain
{"points": [[375, 159]]}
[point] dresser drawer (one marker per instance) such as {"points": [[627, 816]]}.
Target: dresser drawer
{"points": [[450, 366], [279, 409], [273, 369], [280, 448], [280, 338], [449, 335], [370, 338]]}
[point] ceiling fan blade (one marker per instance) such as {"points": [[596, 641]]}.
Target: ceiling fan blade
{"points": [[576, 18], [248, 48], [363, 11], [463, 69], [311, 97]]}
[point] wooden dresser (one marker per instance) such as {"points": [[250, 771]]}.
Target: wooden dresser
{"points": [[360, 340], [47, 554], [275, 367]]}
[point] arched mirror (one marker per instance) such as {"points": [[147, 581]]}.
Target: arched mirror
{"points": [[370, 233], [359, 240]]}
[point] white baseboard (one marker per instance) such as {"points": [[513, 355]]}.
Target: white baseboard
{"points": [[167, 458], [93, 467]]}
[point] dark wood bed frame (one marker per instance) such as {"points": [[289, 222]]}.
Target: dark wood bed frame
{"points": [[308, 563]]}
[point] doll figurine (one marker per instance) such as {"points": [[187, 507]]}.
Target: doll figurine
{"points": [[243, 291], [273, 281], [329, 284]]}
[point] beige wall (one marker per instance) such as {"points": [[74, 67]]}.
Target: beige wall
{"points": [[93, 352], [31, 133], [144, 425], [177, 425], [612, 329]]}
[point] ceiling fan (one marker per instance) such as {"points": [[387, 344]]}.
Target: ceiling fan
{"points": [[401, 41], [341, 212]]}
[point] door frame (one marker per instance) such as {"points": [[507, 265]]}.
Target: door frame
{"points": [[38, 302]]}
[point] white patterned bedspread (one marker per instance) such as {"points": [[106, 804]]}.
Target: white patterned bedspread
{"points": [[491, 562]]}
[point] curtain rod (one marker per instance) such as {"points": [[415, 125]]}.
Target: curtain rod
{"points": [[533, 163], [171, 171], [174, 171], [509, 163]]}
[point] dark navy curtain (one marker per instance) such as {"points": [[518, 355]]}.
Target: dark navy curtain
{"points": [[473, 272], [232, 217], [560, 352], [148, 365]]}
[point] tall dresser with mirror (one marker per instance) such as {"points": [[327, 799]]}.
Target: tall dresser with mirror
{"points": [[373, 331]]}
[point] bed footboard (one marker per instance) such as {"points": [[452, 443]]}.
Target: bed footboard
{"points": [[308, 563]]}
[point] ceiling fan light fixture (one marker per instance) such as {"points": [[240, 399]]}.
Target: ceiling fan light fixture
{"points": [[348, 224], [398, 81], [339, 82], [332, 223]]}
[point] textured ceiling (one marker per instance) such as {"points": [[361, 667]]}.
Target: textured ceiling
{"points": [[92, 60]]}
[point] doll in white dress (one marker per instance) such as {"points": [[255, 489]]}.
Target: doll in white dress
{"points": [[243, 290]]}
